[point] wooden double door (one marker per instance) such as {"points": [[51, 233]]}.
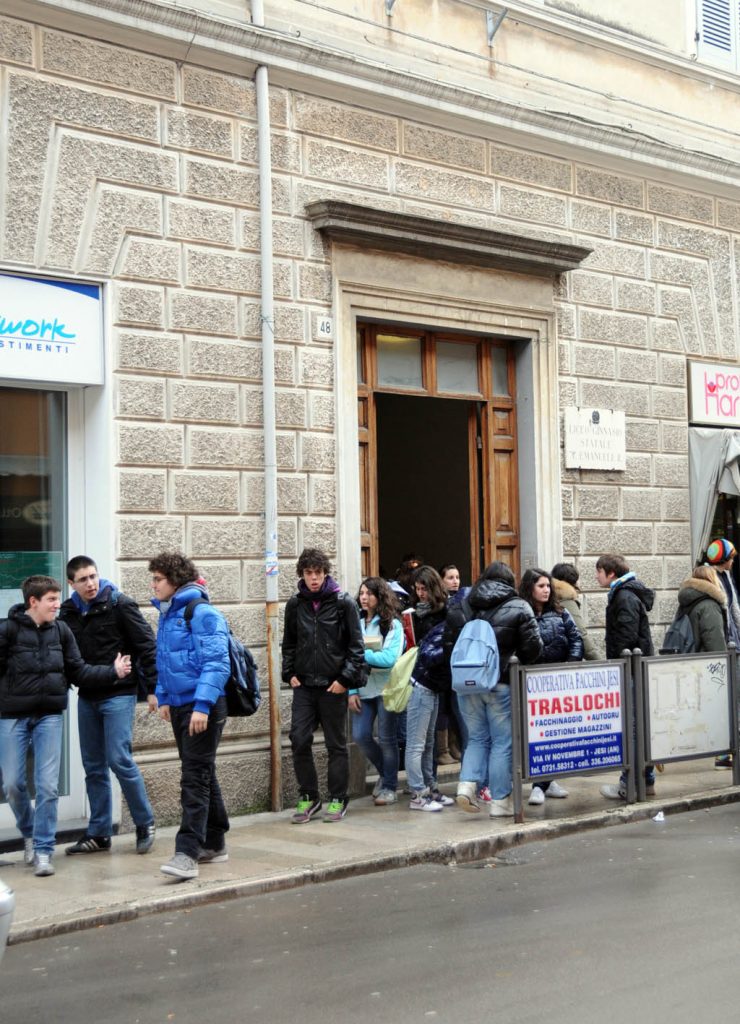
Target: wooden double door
{"points": [[438, 458]]}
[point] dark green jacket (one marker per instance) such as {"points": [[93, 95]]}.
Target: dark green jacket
{"points": [[706, 606]]}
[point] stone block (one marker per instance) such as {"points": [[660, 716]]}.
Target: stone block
{"points": [[210, 180], [676, 504], [643, 435], [198, 222], [333, 163], [341, 121], [292, 494], [287, 538], [673, 538], [322, 412], [142, 491], [155, 446], [287, 235], [649, 570], [151, 261], [199, 132], [211, 314], [93, 61], [626, 538], [287, 457], [314, 191], [248, 622], [232, 95], [316, 368], [636, 296], [571, 539], [454, 215], [567, 503], [253, 410], [138, 305], [314, 282], [678, 303], [226, 537], [285, 150], [539, 207], [136, 581], [224, 448], [149, 534], [641, 503], [667, 336], [565, 366], [254, 493], [674, 437], [290, 408], [444, 147], [118, 213], [566, 321], [669, 403], [531, 168], [322, 495], [205, 492], [596, 502], [634, 227], [568, 393], [590, 218], [140, 397], [617, 328], [672, 370], [223, 271], [285, 366], [290, 321], [684, 205], [317, 453], [319, 533], [254, 581], [595, 361], [224, 580], [595, 289], [637, 366], [728, 215], [16, 42], [216, 403], [237, 360], [677, 569], [612, 188], [617, 259], [443, 186], [639, 472], [160, 353], [671, 470]]}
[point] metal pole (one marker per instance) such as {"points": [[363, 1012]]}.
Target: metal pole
{"points": [[516, 739], [629, 725], [639, 688], [734, 740]]}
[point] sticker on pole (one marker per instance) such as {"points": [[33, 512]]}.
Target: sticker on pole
{"points": [[574, 719]]}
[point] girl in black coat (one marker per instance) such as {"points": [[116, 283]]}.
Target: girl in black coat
{"points": [[561, 641]]}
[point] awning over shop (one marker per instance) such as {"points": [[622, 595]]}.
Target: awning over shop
{"points": [[714, 468]]}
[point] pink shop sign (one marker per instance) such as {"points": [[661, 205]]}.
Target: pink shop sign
{"points": [[714, 394]]}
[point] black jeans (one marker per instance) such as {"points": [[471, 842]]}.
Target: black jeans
{"points": [[314, 706], [204, 820]]}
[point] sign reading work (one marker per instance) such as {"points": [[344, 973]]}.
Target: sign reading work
{"points": [[574, 718], [50, 331], [595, 439], [714, 390], [688, 706]]}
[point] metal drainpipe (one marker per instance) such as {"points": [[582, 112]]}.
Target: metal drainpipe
{"points": [[264, 160]]}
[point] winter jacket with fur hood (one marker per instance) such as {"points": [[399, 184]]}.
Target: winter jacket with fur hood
{"points": [[571, 600], [706, 607]]}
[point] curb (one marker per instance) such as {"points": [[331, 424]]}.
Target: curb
{"points": [[461, 851]]}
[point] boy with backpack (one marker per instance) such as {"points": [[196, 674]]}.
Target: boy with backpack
{"points": [[323, 658], [39, 660]]}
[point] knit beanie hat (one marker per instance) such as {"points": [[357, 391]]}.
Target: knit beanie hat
{"points": [[719, 551]]}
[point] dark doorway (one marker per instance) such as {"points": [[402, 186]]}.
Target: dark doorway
{"points": [[424, 481]]}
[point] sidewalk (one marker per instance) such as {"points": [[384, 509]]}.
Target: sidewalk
{"points": [[267, 852]]}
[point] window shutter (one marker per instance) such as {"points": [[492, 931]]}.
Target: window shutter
{"points": [[718, 30]]}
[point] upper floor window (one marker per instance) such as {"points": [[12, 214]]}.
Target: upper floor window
{"points": [[719, 32]]}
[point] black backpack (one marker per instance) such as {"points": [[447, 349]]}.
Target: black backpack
{"points": [[242, 690], [679, 637]]}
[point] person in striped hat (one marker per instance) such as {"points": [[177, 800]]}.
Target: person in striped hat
{"points": [[720, 555]]}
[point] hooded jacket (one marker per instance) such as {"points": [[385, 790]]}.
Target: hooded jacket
{"points": [[571, 600], [322, 638], [193, 662], [109, 624], [627, 625], [561, 640], [706, 607], [39, 663], [512, 620]]}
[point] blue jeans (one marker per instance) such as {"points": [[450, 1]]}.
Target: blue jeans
{"points": [[106, 728], [421, 719], [488, 720], [383, 753], [42, 733], [456, 702]]}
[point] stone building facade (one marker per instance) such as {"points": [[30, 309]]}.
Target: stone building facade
{"points": [[130, 159]]}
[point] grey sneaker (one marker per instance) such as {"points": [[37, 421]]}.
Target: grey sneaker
{"points": [[612, 792], [378, 788], [181, 866], [28, 855], [385, 797], [43, 865], [213, 856]]}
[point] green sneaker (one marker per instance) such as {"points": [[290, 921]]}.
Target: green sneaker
{"points": [[306, 809], [336, 810]]}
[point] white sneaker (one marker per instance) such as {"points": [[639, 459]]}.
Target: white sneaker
{"points": [[181, 866], [502, 808], [28, 858], [43, 865], [446, 801], [556, 791], [466, 799], [537, 796], [424, 803], [614, 792]]}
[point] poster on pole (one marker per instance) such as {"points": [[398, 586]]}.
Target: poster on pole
{"points": [[688, 706], [575, 718]]}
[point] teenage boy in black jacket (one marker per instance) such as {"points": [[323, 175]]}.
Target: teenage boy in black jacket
{"points": [[39, 659], [105, 621], [323, 657]]}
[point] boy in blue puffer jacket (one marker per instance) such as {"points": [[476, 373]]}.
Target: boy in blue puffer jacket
{"points": [[192, 668]]}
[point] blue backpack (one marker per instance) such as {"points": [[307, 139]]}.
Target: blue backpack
{"points": [[242, 690], [475, 663]]}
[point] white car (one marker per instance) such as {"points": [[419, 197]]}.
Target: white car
{"points": [[7, 906]]}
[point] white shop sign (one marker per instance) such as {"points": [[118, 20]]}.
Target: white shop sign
{"points": [[714, 391], [50, 331], [595, 439]]}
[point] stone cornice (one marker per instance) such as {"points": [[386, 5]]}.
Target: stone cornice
{"points": [[442, 240]]}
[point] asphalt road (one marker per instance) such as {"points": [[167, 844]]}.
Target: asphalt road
{"points": [[636, 922]]}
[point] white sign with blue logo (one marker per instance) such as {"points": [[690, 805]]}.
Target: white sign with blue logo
{"points": [[574, 717], [50, 331]]}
